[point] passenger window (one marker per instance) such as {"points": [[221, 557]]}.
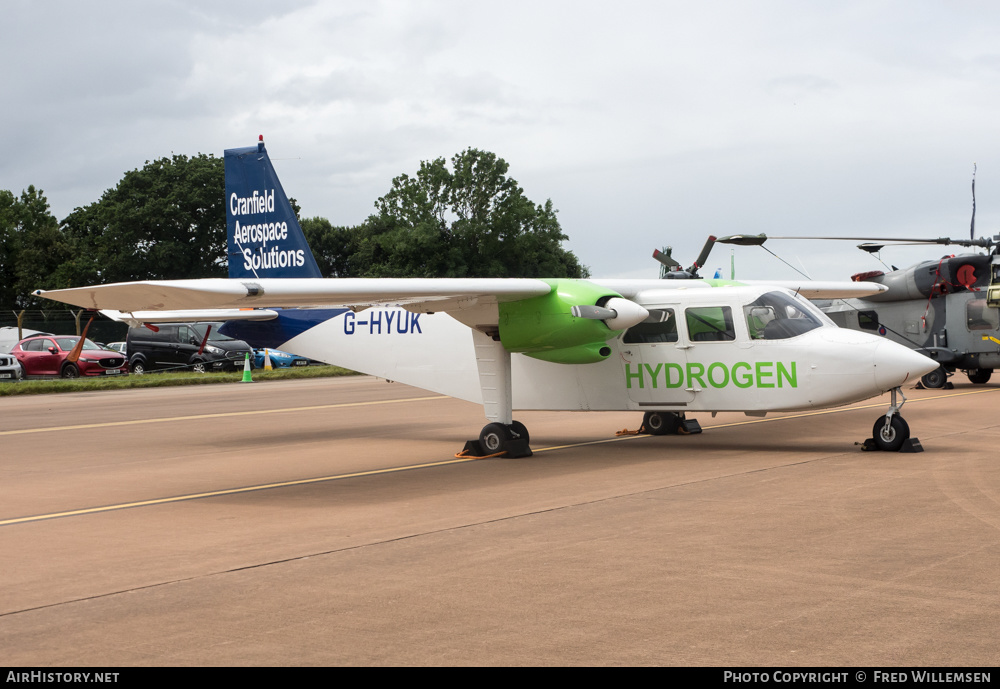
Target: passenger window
{"points": [[660, 326], [710, 324], [979, 316]]}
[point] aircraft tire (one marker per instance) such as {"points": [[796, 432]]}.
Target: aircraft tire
{"points": [[660, 422], [892, 438], [69, 371], [493, 438], [517, 428], [935, 379], [979, 376]]}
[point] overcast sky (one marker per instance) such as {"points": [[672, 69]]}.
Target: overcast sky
{"points": [[646, 123]]}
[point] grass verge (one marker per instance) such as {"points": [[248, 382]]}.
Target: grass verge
{"points": [[163, 379]]}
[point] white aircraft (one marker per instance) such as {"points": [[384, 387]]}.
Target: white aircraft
{"points": [[661, 347]]}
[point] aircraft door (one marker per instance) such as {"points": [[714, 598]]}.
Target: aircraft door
{"points": [[653, 357]]}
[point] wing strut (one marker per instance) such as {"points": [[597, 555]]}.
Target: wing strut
{"points": [[493, 362]]}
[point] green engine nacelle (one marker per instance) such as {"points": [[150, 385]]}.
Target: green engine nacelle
{"points": [[543, 327]]}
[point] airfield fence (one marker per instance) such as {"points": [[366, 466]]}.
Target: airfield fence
{"points": [[63, 322]]}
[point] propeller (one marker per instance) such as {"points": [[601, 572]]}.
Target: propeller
{"points": [[617, 313]]}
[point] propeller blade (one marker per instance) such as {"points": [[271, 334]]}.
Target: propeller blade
{"points": [[595, 313]]}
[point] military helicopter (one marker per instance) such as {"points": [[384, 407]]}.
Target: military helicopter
{"points": [[946, 308]]}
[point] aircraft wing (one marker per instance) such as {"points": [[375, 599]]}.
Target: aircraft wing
{"points": [[417, 294], [821, 289], [222, 293], [646, 290]]}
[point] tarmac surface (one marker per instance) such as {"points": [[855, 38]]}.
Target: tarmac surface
{"points": [[326, 522]]}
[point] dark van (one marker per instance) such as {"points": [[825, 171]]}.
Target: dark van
{"points": [[179, 345]]}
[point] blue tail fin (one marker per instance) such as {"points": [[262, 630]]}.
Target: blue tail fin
{"points": [[265, 239]]}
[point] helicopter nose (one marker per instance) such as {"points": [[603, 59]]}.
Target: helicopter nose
{"points": [[896, 365]]}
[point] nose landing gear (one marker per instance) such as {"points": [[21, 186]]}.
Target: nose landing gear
{"points": [[891, 433]]}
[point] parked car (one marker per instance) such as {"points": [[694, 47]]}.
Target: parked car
{"points": [[45, 355], [279, 359], [10, 368], [10, 336], [117, 346], [179, 345]]}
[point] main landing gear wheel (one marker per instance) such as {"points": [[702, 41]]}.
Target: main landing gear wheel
{"points": [[890, 437], [661, 422], [496, 438], [980, 376], [935, 379]]}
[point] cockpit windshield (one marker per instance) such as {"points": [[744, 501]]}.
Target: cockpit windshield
{"points": [[779, 316]]}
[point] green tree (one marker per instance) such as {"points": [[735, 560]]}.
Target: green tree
{"points": [[165, 221], [333, 248], [469, 220], [32, 248], [8, 252]]}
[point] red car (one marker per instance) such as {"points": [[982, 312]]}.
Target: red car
{"points": [[45, 355]]}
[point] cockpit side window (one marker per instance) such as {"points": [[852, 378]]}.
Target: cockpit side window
{"points": [[777, 316], [979, 316], [710, 324], [660, 326], [868, 320]]}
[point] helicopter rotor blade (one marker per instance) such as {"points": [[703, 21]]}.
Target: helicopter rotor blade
{"points": [[744, 239], [665, 259], [751, 240], [972, 227], [703, 256]]}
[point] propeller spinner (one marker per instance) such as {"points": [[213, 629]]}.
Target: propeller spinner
{"points": [[617, 313]]}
